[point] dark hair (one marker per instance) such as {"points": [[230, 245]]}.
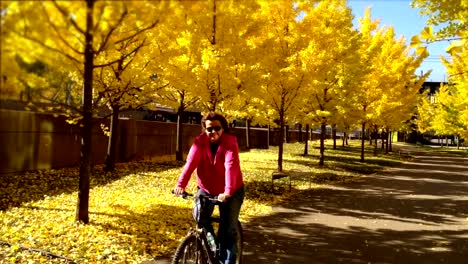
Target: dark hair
{"points": [[211, 116]]}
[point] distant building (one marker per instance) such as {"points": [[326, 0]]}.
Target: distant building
{"points": [[433, 88], [167, 114]]}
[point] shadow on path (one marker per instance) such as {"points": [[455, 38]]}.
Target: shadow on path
{"points": [[414, 213]]}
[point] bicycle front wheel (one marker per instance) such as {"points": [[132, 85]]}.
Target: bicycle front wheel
{"points": [[190, 251], [239, 243]]}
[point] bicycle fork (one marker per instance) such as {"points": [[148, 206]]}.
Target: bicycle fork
{"points": [[212, 256]]}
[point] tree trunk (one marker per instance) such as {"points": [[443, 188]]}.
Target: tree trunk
{"points": [[281, 141], [386, 141], [306, 144], [382, 138], [286, 133], [300, 132], [82, 210], [323, 128], [344, 139], [347, 136], [363, 140], [390, 140], [247, 134], [375, 140], [334, 136], [179, 151], [113, 139], [268, 136]]}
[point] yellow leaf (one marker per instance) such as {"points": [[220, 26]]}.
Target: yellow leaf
{"points": [[422, 51], [455, 47], [427, 33], [15, 247], [415, 42]]}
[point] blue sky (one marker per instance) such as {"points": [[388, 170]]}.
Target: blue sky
{"points": [[406, 21]]}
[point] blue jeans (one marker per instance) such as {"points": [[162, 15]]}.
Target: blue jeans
{"points": [[229, 215]]}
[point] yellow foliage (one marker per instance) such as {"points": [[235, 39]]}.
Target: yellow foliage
{"points": [[133, 215]]}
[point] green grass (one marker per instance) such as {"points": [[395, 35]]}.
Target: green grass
{"points": [[133, 215]]}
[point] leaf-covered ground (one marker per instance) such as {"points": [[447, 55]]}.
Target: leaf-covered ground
{"points": [[133, 215]]}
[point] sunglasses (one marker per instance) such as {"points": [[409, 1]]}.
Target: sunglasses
{"points": [[215, 128]]}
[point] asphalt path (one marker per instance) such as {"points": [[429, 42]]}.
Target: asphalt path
{"points": [[414, 213]]}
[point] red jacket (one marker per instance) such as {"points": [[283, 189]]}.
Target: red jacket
{"points": [[221, 174]]}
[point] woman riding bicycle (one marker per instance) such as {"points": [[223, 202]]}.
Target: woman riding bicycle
{"points": [[215, 156]]}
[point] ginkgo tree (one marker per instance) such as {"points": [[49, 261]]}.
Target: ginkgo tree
{"points": [[451, 14], [453, 98], [26, 22], [328, 60], [205, 59], [176, 48], [81, 37], [277, 51], [215, 33], [447, 113], [372, 39], [450, 104], [127, 78], [391, 83], [177, 57]]}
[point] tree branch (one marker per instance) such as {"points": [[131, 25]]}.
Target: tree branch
{"points": [[117, 60], [193, 101], [459, 73], [135, 51], [296, 91], [138, 32], [63, 105], [445, 39], [60, 35], [68, 17], [275, 103], [42, 252], [107, 37], [98, 22], [49, 47]]}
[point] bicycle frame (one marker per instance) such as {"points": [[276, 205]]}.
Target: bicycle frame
{"points": [[203, 252]]}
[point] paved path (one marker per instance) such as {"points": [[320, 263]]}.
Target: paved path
{"points": [[417, 213]]}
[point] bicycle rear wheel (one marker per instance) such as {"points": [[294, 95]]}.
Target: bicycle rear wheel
{"points": [[190, 251]]}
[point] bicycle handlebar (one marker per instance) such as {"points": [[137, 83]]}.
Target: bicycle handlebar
{"points": [[212, 198]]}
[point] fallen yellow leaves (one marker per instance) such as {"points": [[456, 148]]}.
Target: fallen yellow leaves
{"points": [[133, 218], [133, 215]]}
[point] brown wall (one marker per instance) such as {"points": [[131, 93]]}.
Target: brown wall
{"points": [[31, 141]]}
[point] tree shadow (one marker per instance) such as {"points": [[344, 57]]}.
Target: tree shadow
{"points": [[347, 164], [405, 215], [260, 191], [16, 189]]}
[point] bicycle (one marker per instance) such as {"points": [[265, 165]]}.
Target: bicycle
{"points": [[195, 247]]}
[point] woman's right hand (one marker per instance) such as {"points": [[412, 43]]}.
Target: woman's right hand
{"points": [[179, 190]]}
